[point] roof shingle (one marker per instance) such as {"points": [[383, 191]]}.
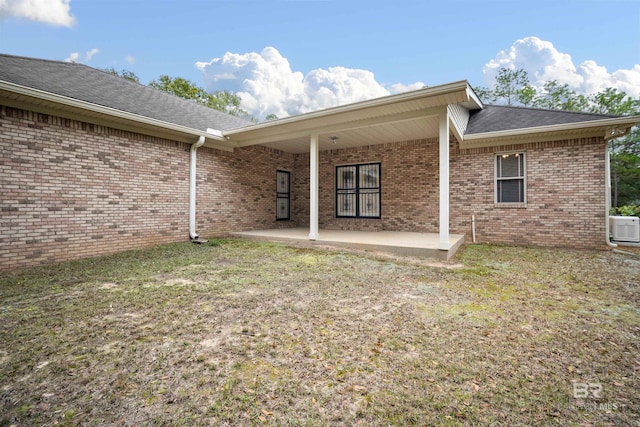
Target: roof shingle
{"points": [[88, 84], [494, 118]]}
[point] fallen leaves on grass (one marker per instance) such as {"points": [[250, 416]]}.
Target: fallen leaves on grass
{"points": [[244, 333]]}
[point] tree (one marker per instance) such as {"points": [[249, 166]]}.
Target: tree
{"points": [[560, 97], [125, 74], [625, 176], [510, 84], [625, 163], [222, 100], [271, 116], [625, 151], [527, 95], [610, 101], [484, 93]]}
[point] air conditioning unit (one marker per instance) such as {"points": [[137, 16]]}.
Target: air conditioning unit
{"points": [[625, 228]]}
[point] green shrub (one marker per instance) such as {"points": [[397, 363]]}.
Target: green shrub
{"points": [[629, 210]]}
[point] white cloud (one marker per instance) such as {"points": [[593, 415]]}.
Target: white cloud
{"points": [[73, 57], [400, 87], [543, 62], [267, 84], [90, 54], [54, 12], [78, 57], [130, 59]]}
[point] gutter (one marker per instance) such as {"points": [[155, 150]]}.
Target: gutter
{"points": [[110, 111], [193, 236], [23, 97], [607, 204], [609, 123]]}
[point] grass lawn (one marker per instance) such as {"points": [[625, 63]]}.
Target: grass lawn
{"points": [[237, 332]]}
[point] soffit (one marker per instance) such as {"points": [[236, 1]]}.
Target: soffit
{"points": [[384, 120], [421, 128]]}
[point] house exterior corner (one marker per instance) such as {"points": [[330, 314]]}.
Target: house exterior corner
{"points": [[72, 189]]}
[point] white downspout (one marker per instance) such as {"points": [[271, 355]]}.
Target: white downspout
{"points": [[473, 228], [192, 190], [607, 205]]}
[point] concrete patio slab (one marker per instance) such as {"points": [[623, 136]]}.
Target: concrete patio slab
{"points": [[396, 242]]}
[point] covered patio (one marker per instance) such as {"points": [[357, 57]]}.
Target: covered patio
{"points": [[431, 113], [395, 242]]}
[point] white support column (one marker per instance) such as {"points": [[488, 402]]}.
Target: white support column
{"points": [[314, 166], [444, 180]]}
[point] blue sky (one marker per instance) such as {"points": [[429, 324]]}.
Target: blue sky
{"points": [[406, 42]]}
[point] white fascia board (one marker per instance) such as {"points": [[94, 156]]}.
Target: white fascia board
{"points": [[84, 105], [474, 98], [215, 132], [376, 102], [351, 125], [628, 121]]}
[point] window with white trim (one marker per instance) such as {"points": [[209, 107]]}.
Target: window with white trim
{"points": [[511, 186], [358, 191]]}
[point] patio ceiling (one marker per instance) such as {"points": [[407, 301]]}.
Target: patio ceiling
{"points": [[424, 127], [401, 117]]}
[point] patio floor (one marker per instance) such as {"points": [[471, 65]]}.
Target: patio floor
{"points": [[396, 242]]}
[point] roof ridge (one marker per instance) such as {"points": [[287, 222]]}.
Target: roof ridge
{"points": [[72, 64], [31, 58], [101, 70], [520, 107]]}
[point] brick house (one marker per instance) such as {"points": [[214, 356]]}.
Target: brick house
{"points": [[95, 164]]}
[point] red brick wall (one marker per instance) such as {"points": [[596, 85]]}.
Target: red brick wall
{"points": [[409, 186], [565, 195], [565, 192], [237, 191], [72, 190]]}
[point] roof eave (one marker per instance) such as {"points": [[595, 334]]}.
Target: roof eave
{"points": [[212, 139], [361, 105], [606, 128], [475, 103]]}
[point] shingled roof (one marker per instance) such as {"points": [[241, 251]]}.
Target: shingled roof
{"points": [[114, 101], [98, 87], [494, 118]]}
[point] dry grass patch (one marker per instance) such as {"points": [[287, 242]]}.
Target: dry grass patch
{"points": [[247, 333]]}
